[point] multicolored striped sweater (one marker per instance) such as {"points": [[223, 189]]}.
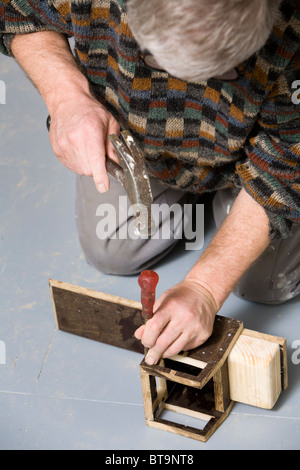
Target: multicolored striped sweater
{"points": [[199, 136]]}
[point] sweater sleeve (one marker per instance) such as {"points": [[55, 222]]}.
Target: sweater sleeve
{"points": [[271, 171], [21, 17]]}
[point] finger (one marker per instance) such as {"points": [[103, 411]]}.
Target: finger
{"points": [[96, 155], [154, 327], [176, 347], [106, 149], [163, 343], [100, 175], [139, 332]]}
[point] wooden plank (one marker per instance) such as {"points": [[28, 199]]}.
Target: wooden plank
{"points": [[185, 359], [148, 395], [186, 431], [94, 294], [186, 411], [221, 388], [95, 315]]}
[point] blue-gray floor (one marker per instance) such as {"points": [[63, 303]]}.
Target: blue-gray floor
{"points": [[58, 391]]}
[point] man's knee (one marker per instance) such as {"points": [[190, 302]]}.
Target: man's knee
{"points": [[275, 277], [106, 228], [110, 260], [124, 257], [252, 292]]}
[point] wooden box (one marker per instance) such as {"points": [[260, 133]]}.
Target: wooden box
{"points": [[194, 384]]}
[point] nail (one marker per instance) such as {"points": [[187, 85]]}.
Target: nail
{"points": [[150, 361], [102, 188]]}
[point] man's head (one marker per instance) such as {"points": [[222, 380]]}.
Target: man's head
{"points": [[199, 39]]}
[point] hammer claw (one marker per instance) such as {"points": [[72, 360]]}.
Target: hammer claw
{"points": [[136, 180]]}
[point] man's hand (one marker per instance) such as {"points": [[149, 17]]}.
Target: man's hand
{"points": [[184, 319], [79, 137], [80, 125]]}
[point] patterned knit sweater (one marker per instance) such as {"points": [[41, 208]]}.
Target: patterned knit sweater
{"points": [[199, 136]]}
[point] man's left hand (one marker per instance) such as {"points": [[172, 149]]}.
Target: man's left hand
{"points": [[184, 318]]}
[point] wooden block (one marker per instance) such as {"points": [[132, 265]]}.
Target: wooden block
{"points": [[254, 367]]}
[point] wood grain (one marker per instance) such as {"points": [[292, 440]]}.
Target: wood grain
{"points": [[97, 316], [255, 372]]}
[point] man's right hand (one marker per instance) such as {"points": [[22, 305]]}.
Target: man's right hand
{"points": [[80, 125], [79, 137]]}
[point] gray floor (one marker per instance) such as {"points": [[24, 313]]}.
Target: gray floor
{"points": [[58, 391]]}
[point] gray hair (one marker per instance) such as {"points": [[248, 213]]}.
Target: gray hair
{"points": [[197, 39]]}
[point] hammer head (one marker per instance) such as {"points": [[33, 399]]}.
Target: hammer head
{"points": [[135, 179]]}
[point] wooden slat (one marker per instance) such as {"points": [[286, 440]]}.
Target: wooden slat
{"points": [[221, 388], [147, 394]]}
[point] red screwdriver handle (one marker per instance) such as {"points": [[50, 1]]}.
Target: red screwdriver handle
{"points": [[148, 281]]}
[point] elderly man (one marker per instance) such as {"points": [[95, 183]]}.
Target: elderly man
{"points": [[207, 90]]}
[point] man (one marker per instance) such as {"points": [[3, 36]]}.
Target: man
{"points": [[206, 89]]}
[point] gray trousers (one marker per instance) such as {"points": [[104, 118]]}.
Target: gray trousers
{"points": [[105, 229]]}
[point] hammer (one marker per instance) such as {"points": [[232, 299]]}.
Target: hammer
{"points": [[148, 281], [133, 175]]}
